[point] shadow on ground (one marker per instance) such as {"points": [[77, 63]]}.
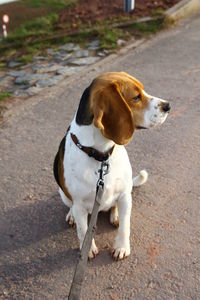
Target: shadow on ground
{"points": [[36, 240]]}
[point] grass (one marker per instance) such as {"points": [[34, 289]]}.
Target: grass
{"points": [[4, 95], [53, 4], [39, 26], [107, 36], [146, 28]]}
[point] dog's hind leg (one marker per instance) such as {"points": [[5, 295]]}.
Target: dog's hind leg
{"points": [[114, 216]]}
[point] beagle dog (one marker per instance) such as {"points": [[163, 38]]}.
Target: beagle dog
{"points": [[110, 110]]}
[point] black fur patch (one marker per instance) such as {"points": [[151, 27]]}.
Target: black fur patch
{"points": [[83, 116], [57, 158]]}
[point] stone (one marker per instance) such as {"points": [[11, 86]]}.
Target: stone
{"points": [[84, 61], [49, 81], [46, 71], [121, 42], [29, 79], [37, 67], [16, 73], [106, 51], [38, 58], [101, 54], [33, 90], [94, 45], [69, 47], [14, 63], [67, 71], [60, 56], [22, 80], [48, 68], [20, 93], [50, 51], [81, 53]]}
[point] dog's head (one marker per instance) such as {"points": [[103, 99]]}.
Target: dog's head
{"points": [[117, 104]]}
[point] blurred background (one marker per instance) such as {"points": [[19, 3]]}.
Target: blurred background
{"points": [[41, 41], [39, 24]]}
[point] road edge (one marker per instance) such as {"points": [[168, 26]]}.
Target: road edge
{"points": [[183, 9]]}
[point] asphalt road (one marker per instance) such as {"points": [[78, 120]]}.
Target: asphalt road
{"points": [[39, 250]]}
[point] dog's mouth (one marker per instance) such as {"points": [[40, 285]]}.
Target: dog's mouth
{"points": [[141, 127]]}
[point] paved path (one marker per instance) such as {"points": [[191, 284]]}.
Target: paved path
{"points": [[39, 251]]}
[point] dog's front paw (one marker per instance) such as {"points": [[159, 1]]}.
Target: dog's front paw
{"points": [[119, 253], [70, 219], [93, 251]]}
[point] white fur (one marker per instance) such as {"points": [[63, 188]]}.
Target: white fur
{"points": [[154, 115], [81, 175], [140, 179]]}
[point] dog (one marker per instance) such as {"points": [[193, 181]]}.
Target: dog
{"points": [[110, 110]]}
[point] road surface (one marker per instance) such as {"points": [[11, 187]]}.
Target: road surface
{"points": [[39, 250]]}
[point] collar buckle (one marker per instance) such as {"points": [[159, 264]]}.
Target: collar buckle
{"points": [[79, 146]]}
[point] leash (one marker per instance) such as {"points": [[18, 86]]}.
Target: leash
{"points": [[75, 289]]}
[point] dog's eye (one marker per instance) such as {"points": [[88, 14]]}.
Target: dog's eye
{"points": [[137, 98]]}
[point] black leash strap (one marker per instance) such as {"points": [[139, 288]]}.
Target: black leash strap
{"points": [[75, 289]]}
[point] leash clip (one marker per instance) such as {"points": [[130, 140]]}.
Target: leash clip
{"points": [[106, 167], [100, 183], [104, 170]]}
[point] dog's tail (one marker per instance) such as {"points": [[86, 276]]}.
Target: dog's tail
{"points": [[140, 179]]}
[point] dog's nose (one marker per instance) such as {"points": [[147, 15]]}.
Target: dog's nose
{"points": [[165, 107]]}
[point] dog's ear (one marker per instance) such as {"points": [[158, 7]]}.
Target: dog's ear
{"points": [[84, 116], [112, 114]]}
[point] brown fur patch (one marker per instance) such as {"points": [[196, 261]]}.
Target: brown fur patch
{"points": [[112, 114], [111, 103], [61, 174]]}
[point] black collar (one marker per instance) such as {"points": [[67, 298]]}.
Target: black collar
{"points": [[91, 152]]}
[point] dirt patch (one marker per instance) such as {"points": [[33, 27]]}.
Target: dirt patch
{"points": [[89, 11], [152, 251], [20, 13]]}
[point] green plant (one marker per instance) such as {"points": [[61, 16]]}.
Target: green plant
{"points": [[4, 95], [26, 58], [109, 37], [146, 28], [39, 26]]}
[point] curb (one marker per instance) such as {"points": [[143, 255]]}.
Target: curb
{"points": [[182, 9]]}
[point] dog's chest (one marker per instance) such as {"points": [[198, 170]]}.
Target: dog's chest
{"points": [[110, 195], [81, 176], [82, 186]]}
